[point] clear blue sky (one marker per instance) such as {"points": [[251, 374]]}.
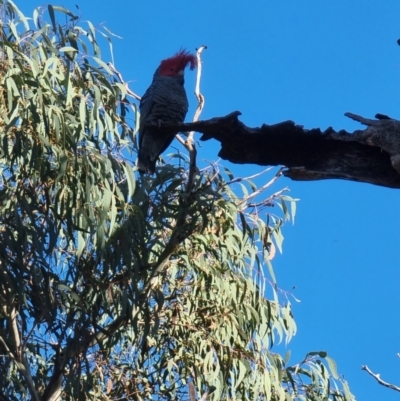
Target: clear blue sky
{"points": [[309, 61]]}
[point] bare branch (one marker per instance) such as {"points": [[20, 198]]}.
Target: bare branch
{"points": [[199, 96], [54, 387], [371, 155], [378, 379], [263, 188], [250, 177], [180, 140], [19, 358], [189, 144]]}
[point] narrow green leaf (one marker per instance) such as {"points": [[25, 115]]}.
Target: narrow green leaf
{"points": [[278, 237], [271, 271], [287, 356], [65, 11], [293, 210], [50, 8], [122, 89], [82, 114], [36, 18], [130, 178], [14, 30], [68, 49], [242, 372], [332, 367], [92, 30], [81, 245], [20, 15]]}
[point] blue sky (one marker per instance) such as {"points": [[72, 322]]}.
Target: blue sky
{"points": [[309, 61]]}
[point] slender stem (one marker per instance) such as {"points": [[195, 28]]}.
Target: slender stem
{"points": [[189, 144], [378, 379]]}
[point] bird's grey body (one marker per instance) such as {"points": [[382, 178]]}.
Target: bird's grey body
{"points": [[165, 101]]}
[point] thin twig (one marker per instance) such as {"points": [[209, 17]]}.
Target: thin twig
{"points": [[180, 139], [200, 97], [189, 143], [119, 75], [250, 177], [6, 347], [269, 200], [263, 188], [241, 179], [378, 379]]}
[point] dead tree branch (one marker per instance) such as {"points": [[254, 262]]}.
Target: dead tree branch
{"points": [[371, 155]]}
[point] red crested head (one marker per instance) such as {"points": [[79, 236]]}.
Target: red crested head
{"points": [[176, 64]]}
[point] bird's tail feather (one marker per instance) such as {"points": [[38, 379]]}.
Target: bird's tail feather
{"points": [[146, 166]]}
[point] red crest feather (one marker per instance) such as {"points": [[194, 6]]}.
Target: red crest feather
{"points": [[178, 62]]}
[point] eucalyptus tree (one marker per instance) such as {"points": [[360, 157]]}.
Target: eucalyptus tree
{"points": [[120, 286]]}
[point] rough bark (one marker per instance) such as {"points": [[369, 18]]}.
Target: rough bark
{"points": [[371, 155]]}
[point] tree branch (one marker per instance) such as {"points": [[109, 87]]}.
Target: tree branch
{"points": [[371, 155], [378, 379], [189, 144], [19, 357]]}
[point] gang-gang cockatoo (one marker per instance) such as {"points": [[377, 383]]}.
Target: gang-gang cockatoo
{"points": [[164, 101]]}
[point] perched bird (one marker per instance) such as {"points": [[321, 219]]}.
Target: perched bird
{"points": [[164, 101]]}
